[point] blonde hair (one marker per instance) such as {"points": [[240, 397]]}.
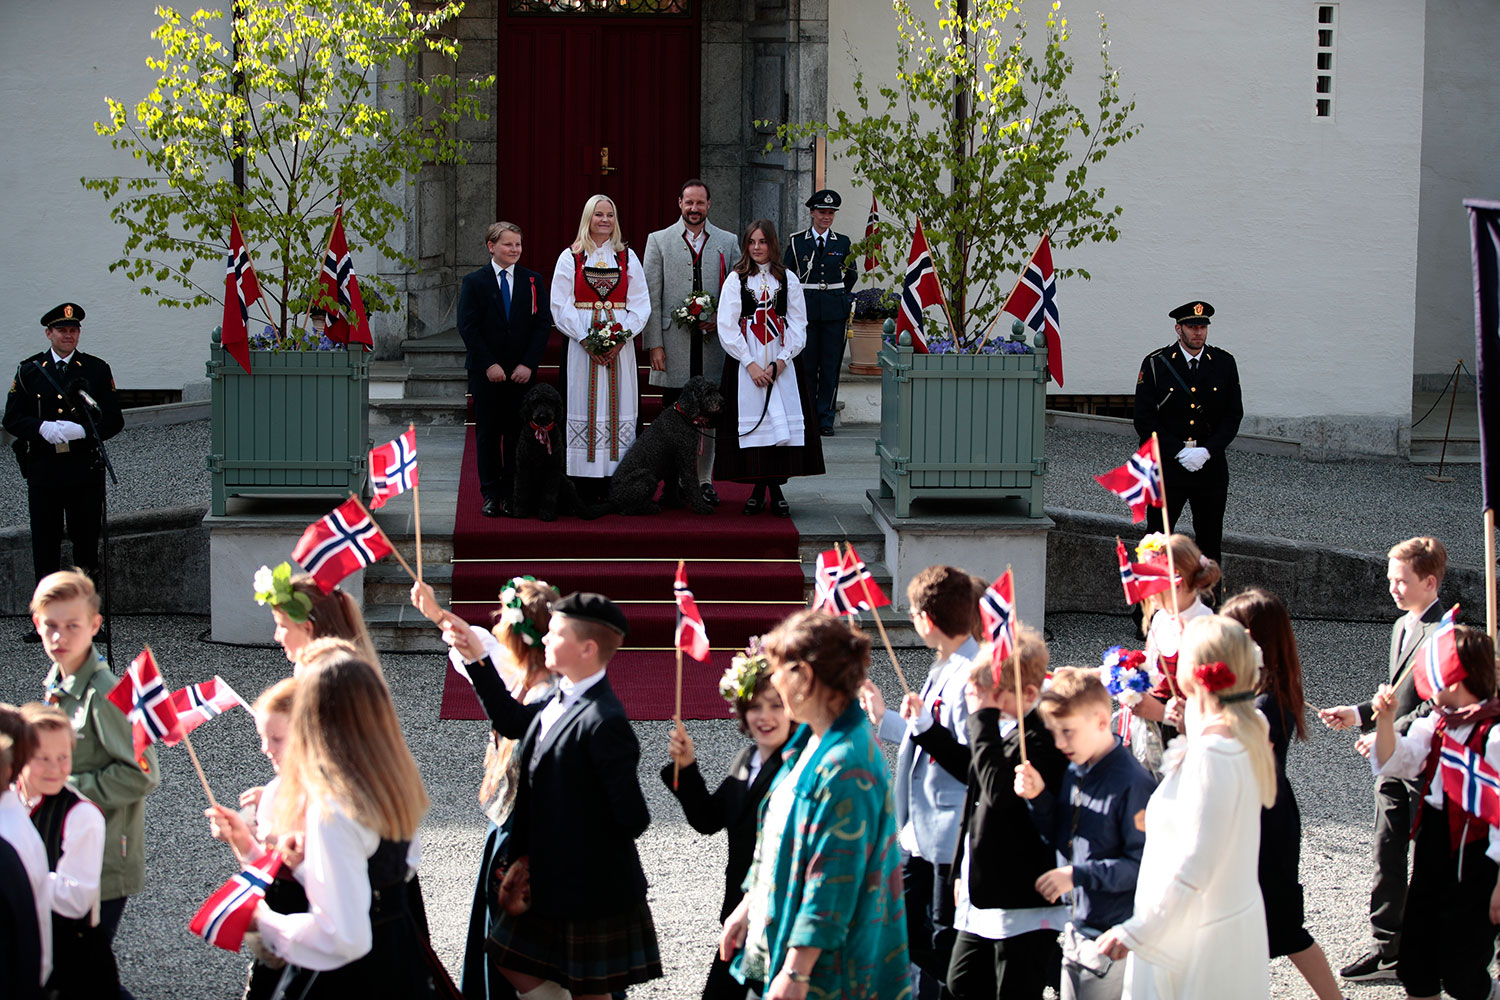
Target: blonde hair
{"points": [[1188, 562], [1215, 638], [336, 615], [44, 718], [1074, 691], [499, 229], [584, 243], [64, 585], [278, 698], [345, 746]]}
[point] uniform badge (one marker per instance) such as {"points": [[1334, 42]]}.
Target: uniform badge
{"points": [[67, 312], [1197, 308], [1140, 376]]}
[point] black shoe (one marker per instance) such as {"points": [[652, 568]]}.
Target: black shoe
{"points": [[756, 503], [709, 494], [491, 508], [1370, 966], [826, 431], [30, 634], [779, 506]]}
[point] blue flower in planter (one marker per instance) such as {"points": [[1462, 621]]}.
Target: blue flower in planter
{"points": [[296, 340]]}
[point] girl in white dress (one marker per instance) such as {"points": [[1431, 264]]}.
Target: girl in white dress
{"points": [[596, 284], [767, 410], [1199, 926]]}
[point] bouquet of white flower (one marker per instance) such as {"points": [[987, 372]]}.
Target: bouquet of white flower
{"points": [[696, 312]]}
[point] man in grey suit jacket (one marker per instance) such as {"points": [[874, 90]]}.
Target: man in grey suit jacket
{"points": [[1415, 570], [690, 255]]}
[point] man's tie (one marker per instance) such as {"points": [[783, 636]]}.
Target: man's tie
{"points": [[505, 291], [62, 368], [1192, 364]]}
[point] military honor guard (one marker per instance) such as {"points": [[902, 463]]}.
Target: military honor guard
{"points": [[62, 402], [689, 257], [819, 257], [1188, 394]]}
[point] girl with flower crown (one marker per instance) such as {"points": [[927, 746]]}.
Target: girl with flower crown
{"points": [[1199, 926], [735, 805], [508, 673], [302, 613]]}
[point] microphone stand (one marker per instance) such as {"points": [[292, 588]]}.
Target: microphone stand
{"points": [[103, 454]]}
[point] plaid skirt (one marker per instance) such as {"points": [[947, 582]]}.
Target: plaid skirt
{"points": [[595, 955]]}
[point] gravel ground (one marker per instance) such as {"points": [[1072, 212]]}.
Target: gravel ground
{"points": [[159, 959]]}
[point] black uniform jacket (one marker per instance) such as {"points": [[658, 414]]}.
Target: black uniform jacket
{"points": [[494, 338], [34, 399], [831, 267], [1180, 405]]}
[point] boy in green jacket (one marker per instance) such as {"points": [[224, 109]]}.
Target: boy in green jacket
{"points": [[65, 610]]}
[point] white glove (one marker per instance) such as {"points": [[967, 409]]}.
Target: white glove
{"points": [[52, 432], [71, 431], [1193, 459]]}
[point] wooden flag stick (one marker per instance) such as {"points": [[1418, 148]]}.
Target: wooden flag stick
{"points": [[1489, 572], [394, 551], [189, 743], [1166, 529], [677, 710], [1411, 663], [865, 586], [416, 507], [1015, 666]]}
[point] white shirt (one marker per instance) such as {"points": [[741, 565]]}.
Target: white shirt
{"points": [[1190, 355], [510, 276], [335, 872], [59, 361], [570, 692], [998, 924], [696, 240], [17, 830], [1410, 757], [755, 765]]}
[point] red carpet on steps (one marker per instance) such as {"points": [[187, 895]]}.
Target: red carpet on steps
{"points": [[745, 572]]}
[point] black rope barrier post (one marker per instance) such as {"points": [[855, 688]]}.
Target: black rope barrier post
{"points": [[1443, 455]]}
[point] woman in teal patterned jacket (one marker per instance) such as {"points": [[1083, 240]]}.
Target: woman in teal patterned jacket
{"points": [[822, 914]]}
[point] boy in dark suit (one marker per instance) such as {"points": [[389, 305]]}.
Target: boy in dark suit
{"points": [[504, 320], [578, 812]]}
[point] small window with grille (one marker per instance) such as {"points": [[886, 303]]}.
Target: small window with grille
{"points": [[1328, 15]]}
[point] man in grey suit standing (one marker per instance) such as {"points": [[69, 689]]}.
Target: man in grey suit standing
{"points": [[1415, 569], [691, 255]]}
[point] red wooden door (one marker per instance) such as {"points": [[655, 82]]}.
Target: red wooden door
{"points": [[573, 85]]}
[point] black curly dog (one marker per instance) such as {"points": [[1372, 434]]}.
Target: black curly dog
{"points": [[541, 486], [666, 453]]}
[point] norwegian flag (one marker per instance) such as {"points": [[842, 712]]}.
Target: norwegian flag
{"points": [[1439, 664], [393, 468], [145, 700], [344, 540], [224, 917], [197, 704], [1141, 580], [1034, 301], [920, 291], [766, 325], [339, 283], [1137, 482], [842, 584], [872, 231], [997, 609], [1469, 781], [691, 636], [241, 291]]}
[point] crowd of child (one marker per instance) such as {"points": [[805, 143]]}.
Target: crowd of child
{"points": [[1032, 835]]}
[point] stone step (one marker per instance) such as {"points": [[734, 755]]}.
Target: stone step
{"points": [[437, 383], [429, 410], [393, 589], [441, 350]]}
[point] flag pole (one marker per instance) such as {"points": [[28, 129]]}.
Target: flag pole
{"points": [[865, 586], [381, 531], [1489, 572], [416, 506], [187, 742], [1015, 655], [1006, 301], [677, 711], [1166, 529]]}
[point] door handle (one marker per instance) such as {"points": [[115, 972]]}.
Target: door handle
{"points": [[604, 167]]}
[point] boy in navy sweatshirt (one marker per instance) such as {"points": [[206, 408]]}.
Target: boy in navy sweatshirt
{"points": [[1102, 834]]}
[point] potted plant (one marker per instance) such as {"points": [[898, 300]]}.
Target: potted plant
{"points": [[873, 309], [305, 119]]}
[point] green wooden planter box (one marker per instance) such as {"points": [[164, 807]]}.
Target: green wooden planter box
{"points": [[298, 426], [962, 426]]}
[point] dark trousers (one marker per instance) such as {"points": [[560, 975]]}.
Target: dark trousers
{"points": [[824, 353], [1016, 968], [929, 924], [1393, 816], [110, 912], [58, 495], [497, 425], [1206, 499], [1449, 939]]}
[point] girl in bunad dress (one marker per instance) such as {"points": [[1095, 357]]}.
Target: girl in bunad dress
{"points": [[351, 786], [1199, 926], [508, 670], [599, 288], [768, 401], [303, 613]]}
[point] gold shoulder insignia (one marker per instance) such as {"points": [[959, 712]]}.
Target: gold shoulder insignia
{"points": [[12, 385], [1140, 376]]}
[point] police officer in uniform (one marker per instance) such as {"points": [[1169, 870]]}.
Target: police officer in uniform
{"points": [[49, 410], [820, 258], [1189, 394]]}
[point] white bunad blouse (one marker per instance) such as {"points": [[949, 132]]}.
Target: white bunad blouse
{"points": [[612, 416], [783, 424], [335, 873], [17, 830]]}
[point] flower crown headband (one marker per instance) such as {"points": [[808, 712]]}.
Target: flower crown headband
{"points": [[274, 587], [745, 670], [513, 610]]}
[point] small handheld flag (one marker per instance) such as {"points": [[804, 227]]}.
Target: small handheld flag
{"points": [[393, 468], [144, 699], [339, 283], [1469, 781], [691, 636], [344, 540], [1034, 301], [198, 703], [843, 585], [920, 290], [241, 291], [1138, 482], [1141, 580], [224, 917], [1438, 665], [997, 610]]}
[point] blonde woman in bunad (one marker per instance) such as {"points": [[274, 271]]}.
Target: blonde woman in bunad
{"points": [[1199, 926], [763, 430], [600, 302]]}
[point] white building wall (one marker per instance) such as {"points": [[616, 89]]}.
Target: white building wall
{"points": [[1302, 232]]}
